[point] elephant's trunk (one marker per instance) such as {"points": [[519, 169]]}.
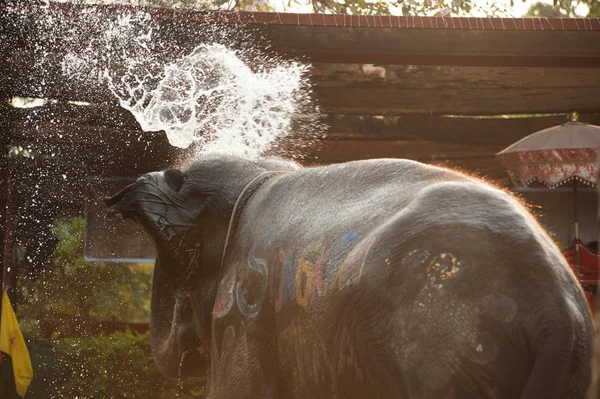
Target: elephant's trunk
{"points": [[172, 331]]}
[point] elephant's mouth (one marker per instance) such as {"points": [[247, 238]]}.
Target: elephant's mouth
{"points": [[122, 205], [174, 241]]}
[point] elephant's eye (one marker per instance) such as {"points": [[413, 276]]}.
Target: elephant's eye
{"points": [[174, 178]]}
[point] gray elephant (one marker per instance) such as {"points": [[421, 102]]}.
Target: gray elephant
{"points": [[371, 279]]}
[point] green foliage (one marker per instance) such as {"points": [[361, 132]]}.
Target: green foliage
{"points": [[74, 294], [75, 291], [567, 7], [563, 8], [543, 10], [116, 366]]}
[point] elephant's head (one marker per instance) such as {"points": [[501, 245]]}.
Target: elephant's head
{"points": [[186, 212], [170, 210]]}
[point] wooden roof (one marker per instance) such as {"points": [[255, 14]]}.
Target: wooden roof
{"points": [[382, 81], [531, 65], [388, 86]]}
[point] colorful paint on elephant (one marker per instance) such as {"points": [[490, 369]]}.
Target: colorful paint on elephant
{"points": [[351, 269], [443, 267], [293, 330], [299, 276], [224, 300], [315, 269], [258, 266]]}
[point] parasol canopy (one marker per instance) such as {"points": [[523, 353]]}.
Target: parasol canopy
{"points": [[560, 154], [554, 156]]}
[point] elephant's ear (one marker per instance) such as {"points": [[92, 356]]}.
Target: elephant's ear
{"points": [[174, 178]]}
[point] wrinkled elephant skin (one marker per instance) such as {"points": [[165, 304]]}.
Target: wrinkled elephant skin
{"points": [[371, 279]]}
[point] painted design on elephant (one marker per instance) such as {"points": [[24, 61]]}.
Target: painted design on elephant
{"points": [[352, 268], [252, 309], [312, 271], [292, 330], [307, 274], [286, 270], [299, 276], [224, 300], [337, 256], [310, 264], [443, 267]]}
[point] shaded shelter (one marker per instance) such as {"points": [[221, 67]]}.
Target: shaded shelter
{"points": [[424, 88]]}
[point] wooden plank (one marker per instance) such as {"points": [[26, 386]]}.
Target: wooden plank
{"points": [[392, 101], [319, 19], [438, 47], [41, 76], [455, 42], [358, 99], [90, 123], [104, 117], [487, 131], [482, 60], [375, 77], [397, 89]]}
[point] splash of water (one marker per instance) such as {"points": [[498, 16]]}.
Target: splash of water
{"points": [[213, 98], [222, 100]]}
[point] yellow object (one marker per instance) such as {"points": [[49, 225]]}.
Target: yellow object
{"points": [[13, 344]]}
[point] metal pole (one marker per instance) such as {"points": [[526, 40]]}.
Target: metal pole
{"points": [[9, 272], [3, 198], [576, 217]]}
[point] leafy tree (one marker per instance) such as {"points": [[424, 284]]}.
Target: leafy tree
{"points": [[567, 7], [563, 8], [543, 10], [74, 289]]}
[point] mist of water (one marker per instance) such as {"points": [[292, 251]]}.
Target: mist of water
{"points": [[222, 93], [213, 98], [221, 99]]}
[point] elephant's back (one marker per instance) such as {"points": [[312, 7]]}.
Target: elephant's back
{"points": [[472, 281], [351, 197], [414, 281]]}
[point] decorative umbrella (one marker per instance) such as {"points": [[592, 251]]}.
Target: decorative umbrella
{"points": [[555, 156]]}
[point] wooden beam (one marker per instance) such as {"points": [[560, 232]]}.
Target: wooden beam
{"points": [[62, 126], [401, 89], [9, 279], [466, 90], [419, 77], [468, 131], [4, 237], [393, 101], [107, 116], [438, 46]]}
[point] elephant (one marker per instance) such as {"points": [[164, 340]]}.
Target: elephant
{"points": [[382, 278]]}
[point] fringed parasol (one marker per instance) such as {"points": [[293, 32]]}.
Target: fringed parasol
{"points": [[555, 156]]}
